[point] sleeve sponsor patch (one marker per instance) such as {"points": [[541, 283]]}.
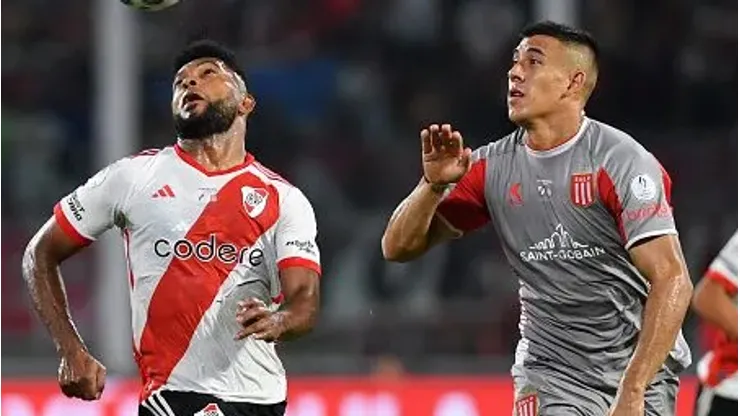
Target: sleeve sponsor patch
{"points": [[306, 246]]}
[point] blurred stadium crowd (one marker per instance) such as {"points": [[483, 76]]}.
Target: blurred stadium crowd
{"points": [[343, 87]]}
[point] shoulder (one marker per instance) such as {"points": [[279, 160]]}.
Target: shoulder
{"points": [[503, 146], [614, 146], [134, 172], [142, 159], [288, 194]]}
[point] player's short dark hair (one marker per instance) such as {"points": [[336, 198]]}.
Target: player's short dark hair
{"points": [[206, 48], [565, 34]]}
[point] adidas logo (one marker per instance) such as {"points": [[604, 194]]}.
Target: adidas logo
{"points": [[164, 192], [560, 246]]}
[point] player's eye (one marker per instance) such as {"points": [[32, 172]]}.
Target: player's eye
{"points": [[535, 61], [208, 71]]}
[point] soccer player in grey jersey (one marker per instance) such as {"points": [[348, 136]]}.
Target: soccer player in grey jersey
{"points": [[585, 219]]}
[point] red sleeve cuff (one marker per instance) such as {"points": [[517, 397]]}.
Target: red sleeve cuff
{"points": [[299, 262], [68, 228], [727, 283]]}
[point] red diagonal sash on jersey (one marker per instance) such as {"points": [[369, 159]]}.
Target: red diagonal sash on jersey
{"points": [[188, 287]]}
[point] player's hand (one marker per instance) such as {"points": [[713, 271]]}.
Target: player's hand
{"points": [[81, 376], [258, 321], [444, 158], [628, 404]]}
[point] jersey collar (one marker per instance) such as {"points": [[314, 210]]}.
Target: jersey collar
{"points": [[185, 157], [560, 148]]}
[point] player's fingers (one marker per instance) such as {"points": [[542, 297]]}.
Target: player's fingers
{"points": [[89, 385], [251, 329], [465, 158], [248, 315], [436, 138], [426, 141], [455, 142], [69, 390], [250, 303], [446, 132], [68, 382], [100, 381], [268, 335]]}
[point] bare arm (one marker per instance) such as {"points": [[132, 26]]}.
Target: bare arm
{"points": [[661, 262], [44, 253], [713, 303], [414, 228], [297, 316], [300, 286]]}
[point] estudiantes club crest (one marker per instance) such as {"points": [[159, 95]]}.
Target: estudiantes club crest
{"points": [[582, 189], [254, 200]]}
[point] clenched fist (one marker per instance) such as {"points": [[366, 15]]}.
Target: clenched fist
{"points": [[444, 157], [81, 376]]}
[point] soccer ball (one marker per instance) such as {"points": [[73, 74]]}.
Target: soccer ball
{"points": [[150, 5]]}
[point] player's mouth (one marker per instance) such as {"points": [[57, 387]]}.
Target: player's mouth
{"points": [[515, 93], [190, 99]]}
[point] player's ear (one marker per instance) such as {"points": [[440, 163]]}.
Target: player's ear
{"points": [[247, 104], [577, 83]]}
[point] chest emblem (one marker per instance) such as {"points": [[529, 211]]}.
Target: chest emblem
{"points": [[254, 200], [582, 192]]}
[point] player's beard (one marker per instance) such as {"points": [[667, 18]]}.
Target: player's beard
{"points": [[217, 118]]}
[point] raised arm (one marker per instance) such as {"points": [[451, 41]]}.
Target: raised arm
{"points": [[414, 226], [448, 201]]}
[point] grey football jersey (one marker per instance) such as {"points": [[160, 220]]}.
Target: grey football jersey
{"points": [[566, 218]]}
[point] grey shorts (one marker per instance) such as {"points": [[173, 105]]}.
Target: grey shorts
{"points": [[543, 391]]}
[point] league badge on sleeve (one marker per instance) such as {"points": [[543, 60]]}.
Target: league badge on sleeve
{"points": [[254, 200], [582, 191], [643, 188]]}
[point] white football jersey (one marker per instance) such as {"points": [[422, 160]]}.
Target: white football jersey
{"points": [[196, 243]]}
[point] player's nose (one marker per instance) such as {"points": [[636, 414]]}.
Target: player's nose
{"points": [[189, 82], [515, 73]]}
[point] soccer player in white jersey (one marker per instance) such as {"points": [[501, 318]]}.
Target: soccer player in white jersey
{"points": [[715, 300], [585, 219], [221, 252]]}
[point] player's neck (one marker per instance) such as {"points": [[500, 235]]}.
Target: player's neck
{"points": [[219, 152], [550, 132]]}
